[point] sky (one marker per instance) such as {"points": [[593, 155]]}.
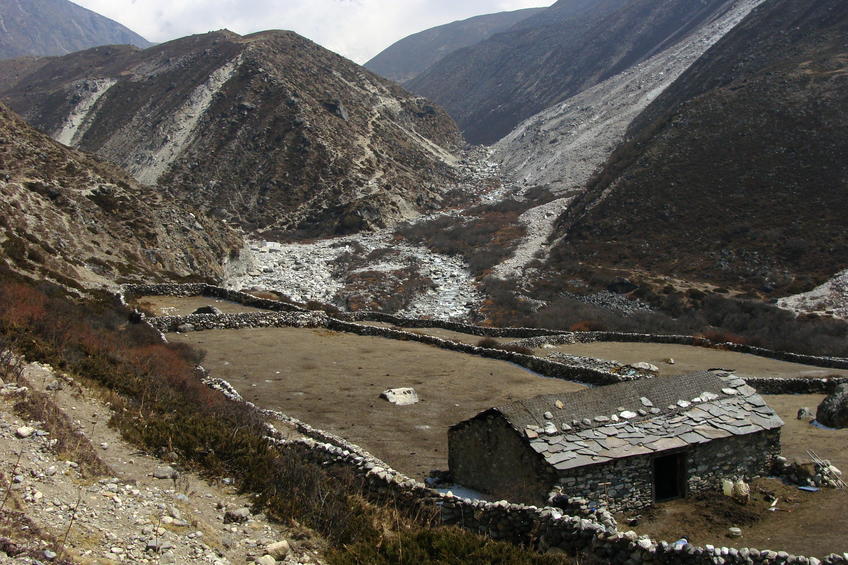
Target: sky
{"points": [[357, 29]]}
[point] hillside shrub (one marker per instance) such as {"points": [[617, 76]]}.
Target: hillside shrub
{"points": [[160, 404]]}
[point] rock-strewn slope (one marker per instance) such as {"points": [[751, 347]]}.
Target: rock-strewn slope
{"points": [[64, 215], [57, 27], [735, 174], [409, 57], [562, 146], [573, 45], [269, 130]]}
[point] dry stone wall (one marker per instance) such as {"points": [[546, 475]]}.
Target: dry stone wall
{"points": [[587, 530]]}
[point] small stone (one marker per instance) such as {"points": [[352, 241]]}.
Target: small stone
{"points": [[548, 416], [49, 555], [646, 402], [559, 404], [165, 472], [54, 385], [24, 432], [734, 532], [104, 445], [265, 560]]}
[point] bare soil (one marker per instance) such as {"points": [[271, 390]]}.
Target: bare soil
{"points": [[185, 305], [812, 524], [458, 337], [333, 381], [690, 359]]}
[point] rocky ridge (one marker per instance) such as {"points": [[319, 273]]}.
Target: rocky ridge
{"points": [[406, 59], [491, 87], [70, 217], [268, 130]]}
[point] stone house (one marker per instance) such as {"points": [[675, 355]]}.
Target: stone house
{"points": [[626, 445]]}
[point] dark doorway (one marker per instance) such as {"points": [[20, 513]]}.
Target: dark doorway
{"points": [[670, 476]]}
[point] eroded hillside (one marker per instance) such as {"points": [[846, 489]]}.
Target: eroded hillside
{"points": [[491, 87], [67, 216], [734, 175], [269, 130]]}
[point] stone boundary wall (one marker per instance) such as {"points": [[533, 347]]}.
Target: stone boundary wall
{"points": [[538, 528], [201, 322], [198, 289], [591, 337], [534, 337], [795, 385]]}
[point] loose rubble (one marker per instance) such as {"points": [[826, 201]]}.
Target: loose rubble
{"points": [[145, 512]]}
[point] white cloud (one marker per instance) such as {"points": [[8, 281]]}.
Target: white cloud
{"points": [[357, 29]]}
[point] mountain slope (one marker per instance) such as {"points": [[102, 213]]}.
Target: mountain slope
{"points": [[67, 216], [490, 87], [269, 130], [409, 57], [561, 147], [57, 27], [735, 173]]}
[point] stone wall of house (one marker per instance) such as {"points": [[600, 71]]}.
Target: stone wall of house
{"points": [[619, 485], [488, 455], [628, 484], [743, 457]]}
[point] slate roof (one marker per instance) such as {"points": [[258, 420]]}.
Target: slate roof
{"points": [[637, 418]]}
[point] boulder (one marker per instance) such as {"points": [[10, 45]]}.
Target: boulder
{"points": [[805, 414], [400, 396], [833, 411], [278, 550], [237, 516], [24, 432], [208, 310]]}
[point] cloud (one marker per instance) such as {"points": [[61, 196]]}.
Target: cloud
{"points": [[357, 29]]}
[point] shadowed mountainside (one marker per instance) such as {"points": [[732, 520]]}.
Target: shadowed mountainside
{"points": [[67, 216], [269, 130], [736, 173], [492, 86], [409, 57], [57, 27]]}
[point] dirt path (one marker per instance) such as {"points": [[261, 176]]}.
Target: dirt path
{"points": [[333, 381], [125, 515], [690, 359]]}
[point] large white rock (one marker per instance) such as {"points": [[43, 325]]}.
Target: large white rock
{"points": [[400, 396]]}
